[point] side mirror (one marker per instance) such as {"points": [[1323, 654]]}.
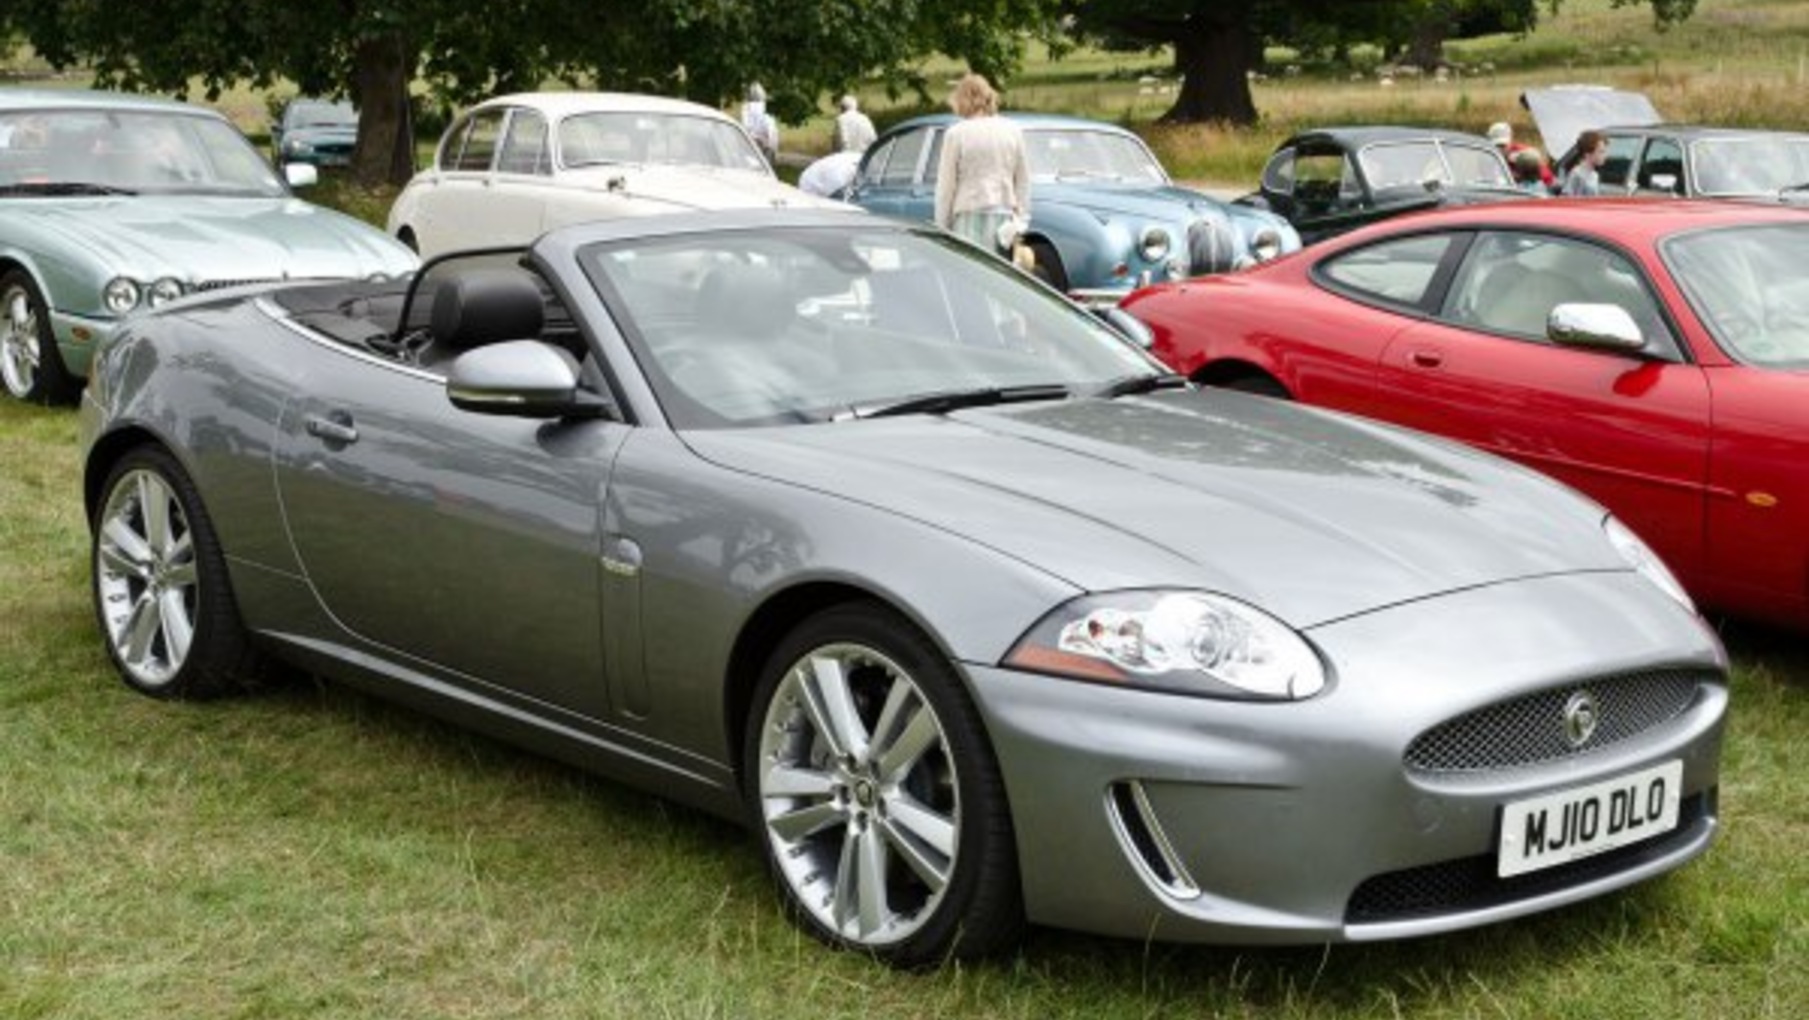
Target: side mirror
{"points": [[1602, 327], [301, 175], [521, 379], [1126, 325]]}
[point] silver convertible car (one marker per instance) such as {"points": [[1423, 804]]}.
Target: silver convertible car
{"points": [[838, 527]]}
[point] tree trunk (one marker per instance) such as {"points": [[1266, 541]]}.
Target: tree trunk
{"points": [[381, 69], [1426, 51], [1215, 50]]}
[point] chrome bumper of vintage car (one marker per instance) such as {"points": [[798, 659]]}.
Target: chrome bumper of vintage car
{"points": [[1325, 820]]}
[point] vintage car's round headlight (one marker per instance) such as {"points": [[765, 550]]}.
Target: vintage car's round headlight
{"points": [[120, 295], [1641, 558], [1266, 244], [1154, 244], [1188, 641], [163, 291]]}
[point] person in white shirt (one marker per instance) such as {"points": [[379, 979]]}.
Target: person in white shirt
{"points": [[830, 176], [853, 129], [983, 176], [760, 125]]}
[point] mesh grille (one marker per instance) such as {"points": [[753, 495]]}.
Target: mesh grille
{"points": [[1470, 883], [1531, 729], [1211, 247]]}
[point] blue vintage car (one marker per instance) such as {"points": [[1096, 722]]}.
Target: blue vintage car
{"points": [[314, 131], [1104, 217], [112, 203]]}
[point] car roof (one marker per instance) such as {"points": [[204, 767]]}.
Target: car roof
{"points": [[90, 99], [1691, 132], [565, 104], [1634, 221], [1028, 120], [1358, 135]]}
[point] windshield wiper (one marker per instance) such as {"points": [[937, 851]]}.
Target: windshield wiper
{"points": [[955, 400], [63, 188], [1794, 187], [1133, 384]]}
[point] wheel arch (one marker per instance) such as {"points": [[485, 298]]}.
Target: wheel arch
{"points": [[1229, 370], [106, 452]]}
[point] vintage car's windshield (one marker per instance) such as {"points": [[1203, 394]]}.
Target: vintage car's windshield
{"points": [[1747, 285], [1413, 163], [591, 138], [1080, 153], [743, 328], [311, 114], [75, 150], [1755, 165]]}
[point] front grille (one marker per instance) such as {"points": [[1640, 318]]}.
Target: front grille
{"points": [[1211, 246], [1530, 729], [1470, 883], [207, 285]]}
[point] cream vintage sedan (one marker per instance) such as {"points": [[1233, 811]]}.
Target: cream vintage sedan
{"points": [[516, 166]]}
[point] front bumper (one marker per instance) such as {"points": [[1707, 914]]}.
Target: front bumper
{"points": [[1300, 822]]}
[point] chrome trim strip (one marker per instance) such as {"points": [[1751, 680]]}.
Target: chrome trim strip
{"points": [[281, 318]]}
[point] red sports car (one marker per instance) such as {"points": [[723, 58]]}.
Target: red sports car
{"points": [[1651, 354]]}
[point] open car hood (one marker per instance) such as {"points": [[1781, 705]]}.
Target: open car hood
{"points": [[1563, 112]]}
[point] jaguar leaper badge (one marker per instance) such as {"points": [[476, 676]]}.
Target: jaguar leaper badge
{"points": [[1581, 716]]}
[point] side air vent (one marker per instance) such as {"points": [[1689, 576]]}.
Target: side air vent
{"points": [[1144, 841]]}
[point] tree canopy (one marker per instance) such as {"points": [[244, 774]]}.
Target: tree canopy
{"points": [[1218, 42], [375, 51]]}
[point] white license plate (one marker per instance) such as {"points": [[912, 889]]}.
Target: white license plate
{"points": [[1541, 832]]}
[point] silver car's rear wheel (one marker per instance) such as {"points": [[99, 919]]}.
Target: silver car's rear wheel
{"points": [[879, 805], [30, 367], [160, 584]]}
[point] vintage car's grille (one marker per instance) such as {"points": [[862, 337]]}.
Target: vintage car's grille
{"points": [[206, 285], [1211, 246], [1531, 729], [1470, 883]]}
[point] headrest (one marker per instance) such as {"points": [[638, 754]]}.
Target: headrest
{"points": [[747, 301], [483, 306]]}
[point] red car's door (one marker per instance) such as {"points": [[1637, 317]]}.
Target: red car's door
{"points": [[1758, 541], [1632, 431]]}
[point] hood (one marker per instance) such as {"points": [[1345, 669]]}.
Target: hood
{"points": [[1120, 198], [1311, 515], [684, 188], [200, 239], [1563, 112]]}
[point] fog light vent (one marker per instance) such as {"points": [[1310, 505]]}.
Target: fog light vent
{"points": [[1138, 829]]}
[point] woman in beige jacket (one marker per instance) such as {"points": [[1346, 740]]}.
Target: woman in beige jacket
{"points": [[982, 177]]}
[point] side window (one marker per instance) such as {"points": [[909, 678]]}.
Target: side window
{"points": [[1323, 180], [480, 141], [1399, 272], [453, 142], [875, 163], [1510, 282], [1278, 176], [524, 148], [1617, 169], [1664, 159], [901, 169]]}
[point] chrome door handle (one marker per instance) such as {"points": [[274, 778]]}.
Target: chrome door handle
{"points": [[335, 428], [1427, 358]]}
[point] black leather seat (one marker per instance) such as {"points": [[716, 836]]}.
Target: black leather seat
{"points": [[476, 307]]}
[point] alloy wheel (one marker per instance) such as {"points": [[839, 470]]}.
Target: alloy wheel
{"points": [[147, 578], [19, 340]]}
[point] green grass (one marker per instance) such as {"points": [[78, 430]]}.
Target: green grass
{"points": [[310, 852]]}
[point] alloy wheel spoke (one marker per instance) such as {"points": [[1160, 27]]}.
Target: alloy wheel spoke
{"points": [[842, 904], [141, 630], [154, 504], [793, 826], [918, 735], [932, 871], [831, 707], [870, 860], [181, 575], [178, 629], [792, 781], [128, 542], [922, 823], [116, 561]]}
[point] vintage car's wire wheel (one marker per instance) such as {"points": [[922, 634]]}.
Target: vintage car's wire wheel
{"points": [[30, 367], [160, 585], [880, 808]]}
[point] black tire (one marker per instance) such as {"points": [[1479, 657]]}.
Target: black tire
{"points": [[162, 596], [1259, 385], [31, 367], [895, 802], [1049, 268]]}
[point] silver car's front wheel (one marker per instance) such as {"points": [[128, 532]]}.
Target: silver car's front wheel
{"points": [[160, 586], [879, 804], [30, 368]]}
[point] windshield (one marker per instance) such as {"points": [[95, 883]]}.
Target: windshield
{"points": [[745, 328], [1106, 155], [322, 115], [1750, 166], [49, 150], [656, 138], [1400, 164], [1747, 285]]}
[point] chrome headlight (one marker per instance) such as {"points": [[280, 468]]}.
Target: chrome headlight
{"points": [[120, 295], [164, 291], [1186, 641], [1154, 244], [1642, 559], [1266, 244]]}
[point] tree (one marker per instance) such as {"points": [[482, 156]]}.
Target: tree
{"points": [[374, 51], [1218, 42]]}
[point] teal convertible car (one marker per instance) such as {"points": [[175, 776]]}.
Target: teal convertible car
{"points": [[111, 203]]}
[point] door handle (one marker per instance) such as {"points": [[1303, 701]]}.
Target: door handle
{"points": [[336, 428], [1427, 357]]}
